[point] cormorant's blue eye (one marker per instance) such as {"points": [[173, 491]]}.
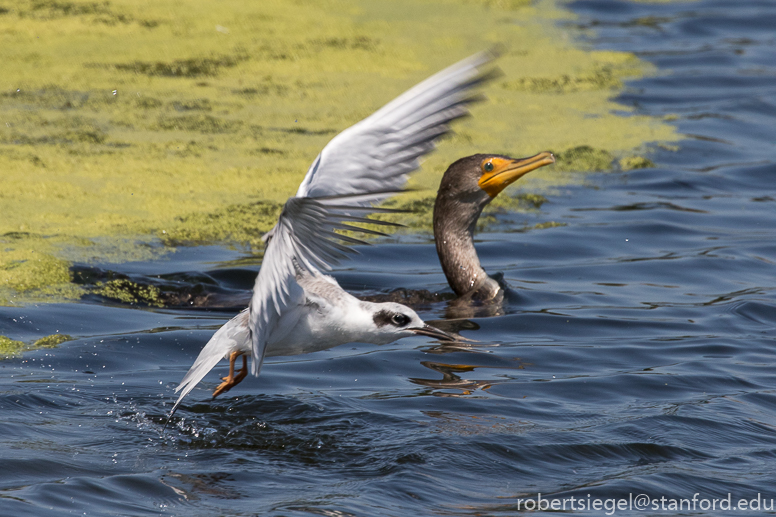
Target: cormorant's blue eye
{"points": [[488, 167]]}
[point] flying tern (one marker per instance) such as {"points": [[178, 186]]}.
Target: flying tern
{"points": [[295, 307]]}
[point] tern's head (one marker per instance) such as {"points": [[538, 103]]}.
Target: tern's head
{"points": [[394, 321], [479, 178]]}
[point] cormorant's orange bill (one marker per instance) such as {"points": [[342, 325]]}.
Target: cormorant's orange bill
{"points": [[498, 173]]}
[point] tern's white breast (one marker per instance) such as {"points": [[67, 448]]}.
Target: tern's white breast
{"points": [[330, 317]]}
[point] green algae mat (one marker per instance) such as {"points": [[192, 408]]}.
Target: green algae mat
{"points": [[131, 127]]}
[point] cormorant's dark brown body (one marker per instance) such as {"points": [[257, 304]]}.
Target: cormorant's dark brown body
{"points": [[467, 186], [458, 206]]}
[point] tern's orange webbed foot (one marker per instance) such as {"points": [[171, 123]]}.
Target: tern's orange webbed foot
{"points": [[230, 381]]}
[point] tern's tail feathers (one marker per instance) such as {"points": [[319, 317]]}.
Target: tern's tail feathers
{"points": [[235, 335]]}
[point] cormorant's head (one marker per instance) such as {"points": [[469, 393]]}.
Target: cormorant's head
{"points": [[482, 176]]}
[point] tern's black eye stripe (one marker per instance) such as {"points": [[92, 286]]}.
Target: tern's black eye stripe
{"points": [[382, 318]]}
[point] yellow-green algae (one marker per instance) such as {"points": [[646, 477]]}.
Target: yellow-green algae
{"points": [[127, 291], [635, 162], [12, 348], [124, 121]]}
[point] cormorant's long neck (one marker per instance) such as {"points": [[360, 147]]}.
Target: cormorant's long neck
{"points": [[454, 222]]}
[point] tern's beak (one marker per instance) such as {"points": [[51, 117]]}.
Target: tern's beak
{"points": [[506, 172], [428, 330]]}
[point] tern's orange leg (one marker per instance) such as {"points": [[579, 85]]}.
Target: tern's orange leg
{"points": [[230, 381]]}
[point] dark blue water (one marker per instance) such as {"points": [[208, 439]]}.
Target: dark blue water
{"points": [[637, 358]]}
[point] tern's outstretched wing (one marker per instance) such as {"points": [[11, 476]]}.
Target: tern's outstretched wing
{"points": [[379, 152]]}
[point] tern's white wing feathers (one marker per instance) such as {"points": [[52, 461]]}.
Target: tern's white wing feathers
{"points": [[379, 152]]}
